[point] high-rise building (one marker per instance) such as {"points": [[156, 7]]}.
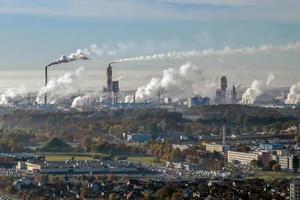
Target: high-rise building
{"points": [[197, 101]]}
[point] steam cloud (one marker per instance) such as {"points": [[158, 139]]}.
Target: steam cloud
{"points": [[61, 87], [227, 51], [256, 89], [180, 82], [294, 94], [11, 95], [78, 55], [87, 99], [81, 101]]}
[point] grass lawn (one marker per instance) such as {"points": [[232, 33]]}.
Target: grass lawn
{"points": [[142, 159], [62, 157], [269, 176]]}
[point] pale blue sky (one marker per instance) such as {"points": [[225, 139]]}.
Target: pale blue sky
{"points": [[33, 32]]}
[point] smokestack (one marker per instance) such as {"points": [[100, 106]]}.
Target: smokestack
{"points": [[233, 95], [109, 77], [133, 98], [78, 55], [46, 82], [223, 89]]}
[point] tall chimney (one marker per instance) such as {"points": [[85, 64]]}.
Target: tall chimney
{"points": [[109, 78], [46, 82]]}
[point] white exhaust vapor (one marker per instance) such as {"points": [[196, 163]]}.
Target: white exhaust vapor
{"points": [[257, 88], [60, 87], [80, 54], [11, 95], [293, 96], [179, 83], [227, 51]]}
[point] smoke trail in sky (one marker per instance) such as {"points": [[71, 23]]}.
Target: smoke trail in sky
{"points": [[227, 51]]}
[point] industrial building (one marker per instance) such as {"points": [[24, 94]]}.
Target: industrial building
{"points": [[216, 148], [221, 93], [197, 101], [112, 87], [243, 158], [140, 138]]}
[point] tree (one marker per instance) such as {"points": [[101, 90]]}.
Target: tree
{"points": [[55, 145], [113, 196], [88, 143], [271, 164], [276, 167], [176, 155], [254, 163]]}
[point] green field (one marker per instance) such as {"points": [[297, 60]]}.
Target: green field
{"points": [[80, 157], [143, 159], [64, 157], [269, 176]]}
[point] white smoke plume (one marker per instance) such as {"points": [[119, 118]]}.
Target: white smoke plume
{"points": [[113, 49], [80, 54], [227, 51], [293, 96], [81, 101], [129, 99], [179, 83], [12, 95], [257, 88], [61, 87], [87, 99]]}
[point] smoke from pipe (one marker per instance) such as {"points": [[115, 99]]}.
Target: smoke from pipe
{"points": [[80, 54], [179, 83], [227, 51], [293, 96], [257, 88], [61, 87]]}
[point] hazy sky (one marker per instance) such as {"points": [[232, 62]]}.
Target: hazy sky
{"points": [[34, 32]]}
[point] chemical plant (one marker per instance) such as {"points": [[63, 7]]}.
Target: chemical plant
{"points": [[113, 97]]}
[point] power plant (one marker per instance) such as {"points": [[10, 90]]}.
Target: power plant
{"points": [[164, 88]]}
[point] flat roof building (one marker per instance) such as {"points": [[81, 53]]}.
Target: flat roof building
{"points": [[243, 158]]}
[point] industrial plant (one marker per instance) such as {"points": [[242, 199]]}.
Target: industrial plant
{"points": [[113, 97]]}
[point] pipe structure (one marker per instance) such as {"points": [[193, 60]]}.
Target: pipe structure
{"points": [[46, 82]]}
